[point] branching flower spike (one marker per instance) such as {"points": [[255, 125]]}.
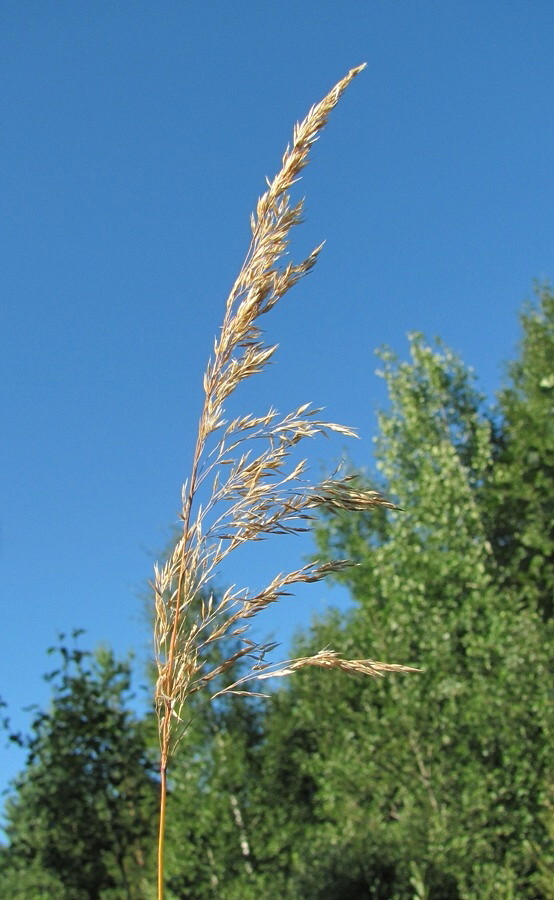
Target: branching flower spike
{"points": [[250, 481]]}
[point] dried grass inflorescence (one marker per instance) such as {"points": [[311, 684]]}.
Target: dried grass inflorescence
{"points": [[248, 471], [328, 659]]}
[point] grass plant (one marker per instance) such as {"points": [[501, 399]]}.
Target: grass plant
{"points": [[245, 484]]}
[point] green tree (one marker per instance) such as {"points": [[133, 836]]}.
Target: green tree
{"points": [[432, 786], [424, 783], [521, 488], [239, 804], [81, 818], [224, 819], [429, 786], [209, 843]]}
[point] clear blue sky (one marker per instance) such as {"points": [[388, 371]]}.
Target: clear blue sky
{"points": [[135, 141]]}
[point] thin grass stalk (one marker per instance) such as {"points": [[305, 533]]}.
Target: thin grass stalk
{"points": [[161, 828], [254, 493]]}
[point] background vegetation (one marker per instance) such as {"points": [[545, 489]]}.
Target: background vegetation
{"points": [[432, 786]]}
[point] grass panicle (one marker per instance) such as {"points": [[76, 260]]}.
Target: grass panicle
{"points": [[246, 481]]}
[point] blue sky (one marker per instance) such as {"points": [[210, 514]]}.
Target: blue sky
{"points": [[135, 141]]}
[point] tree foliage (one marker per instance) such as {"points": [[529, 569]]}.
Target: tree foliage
{"points": [[522, 484], [436, 785], [81, 821], [455, 761], [433, 786]]}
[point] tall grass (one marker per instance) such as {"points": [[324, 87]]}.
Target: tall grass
{"points": [[246, 483]]}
